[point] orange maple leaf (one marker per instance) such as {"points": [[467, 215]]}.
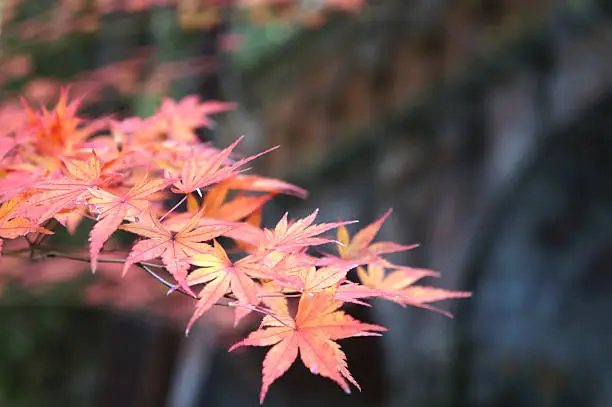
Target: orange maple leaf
{"points": [[354, 293], [174, 248], [291, 236], [12, 226], [398, 286], [179, 119], [360, 249], [59, 131], [264, 184], [241, 206], [296, 272], [300, 273], [317, 324], [222, 276], [235, 209], [316, 279]]}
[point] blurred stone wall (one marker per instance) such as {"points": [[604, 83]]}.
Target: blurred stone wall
{"points": [[485, 128]]}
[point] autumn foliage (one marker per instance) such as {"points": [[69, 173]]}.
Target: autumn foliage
{"points": [[70, 16], [195, 212]]}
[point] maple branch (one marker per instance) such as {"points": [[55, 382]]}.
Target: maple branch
{"points": [[159, 278], [258, 309], [87, 259], [15, 253], [144, 265], [174, 287], [165, 282]]}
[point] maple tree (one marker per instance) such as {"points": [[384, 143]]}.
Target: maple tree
{"points": [[57, 169]]}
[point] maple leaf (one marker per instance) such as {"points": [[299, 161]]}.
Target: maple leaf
{"points": [[316, 279], [113, 210], [12, 226], [180, 119], [290, 236], [65, 192], [17, 182], [317, 324], [55, 164], [134, 131], [237, 208], [71, 219], [241, 206], [176, 220], [263, 184], [301, 275], [354, 292], [222, 276], [360, 249], [59, 131], [198, 172], [398, 286], [174, 248]]}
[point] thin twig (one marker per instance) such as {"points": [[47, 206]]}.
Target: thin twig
{"points": [[165, 282], [147, 267], [294, 295], [260, 310], [173, 208], [144, 265]]}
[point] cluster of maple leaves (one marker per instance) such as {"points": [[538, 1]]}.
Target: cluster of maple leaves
{"points": [[196, 215]]}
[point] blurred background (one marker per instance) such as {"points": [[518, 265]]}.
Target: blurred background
{"points": [[485, 124]]}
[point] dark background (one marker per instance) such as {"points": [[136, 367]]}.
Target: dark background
{"points": [[484, 124]]}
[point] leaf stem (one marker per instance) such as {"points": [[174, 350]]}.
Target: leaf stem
{"points": [[165, 282], [144, 265], [173, 208]]}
